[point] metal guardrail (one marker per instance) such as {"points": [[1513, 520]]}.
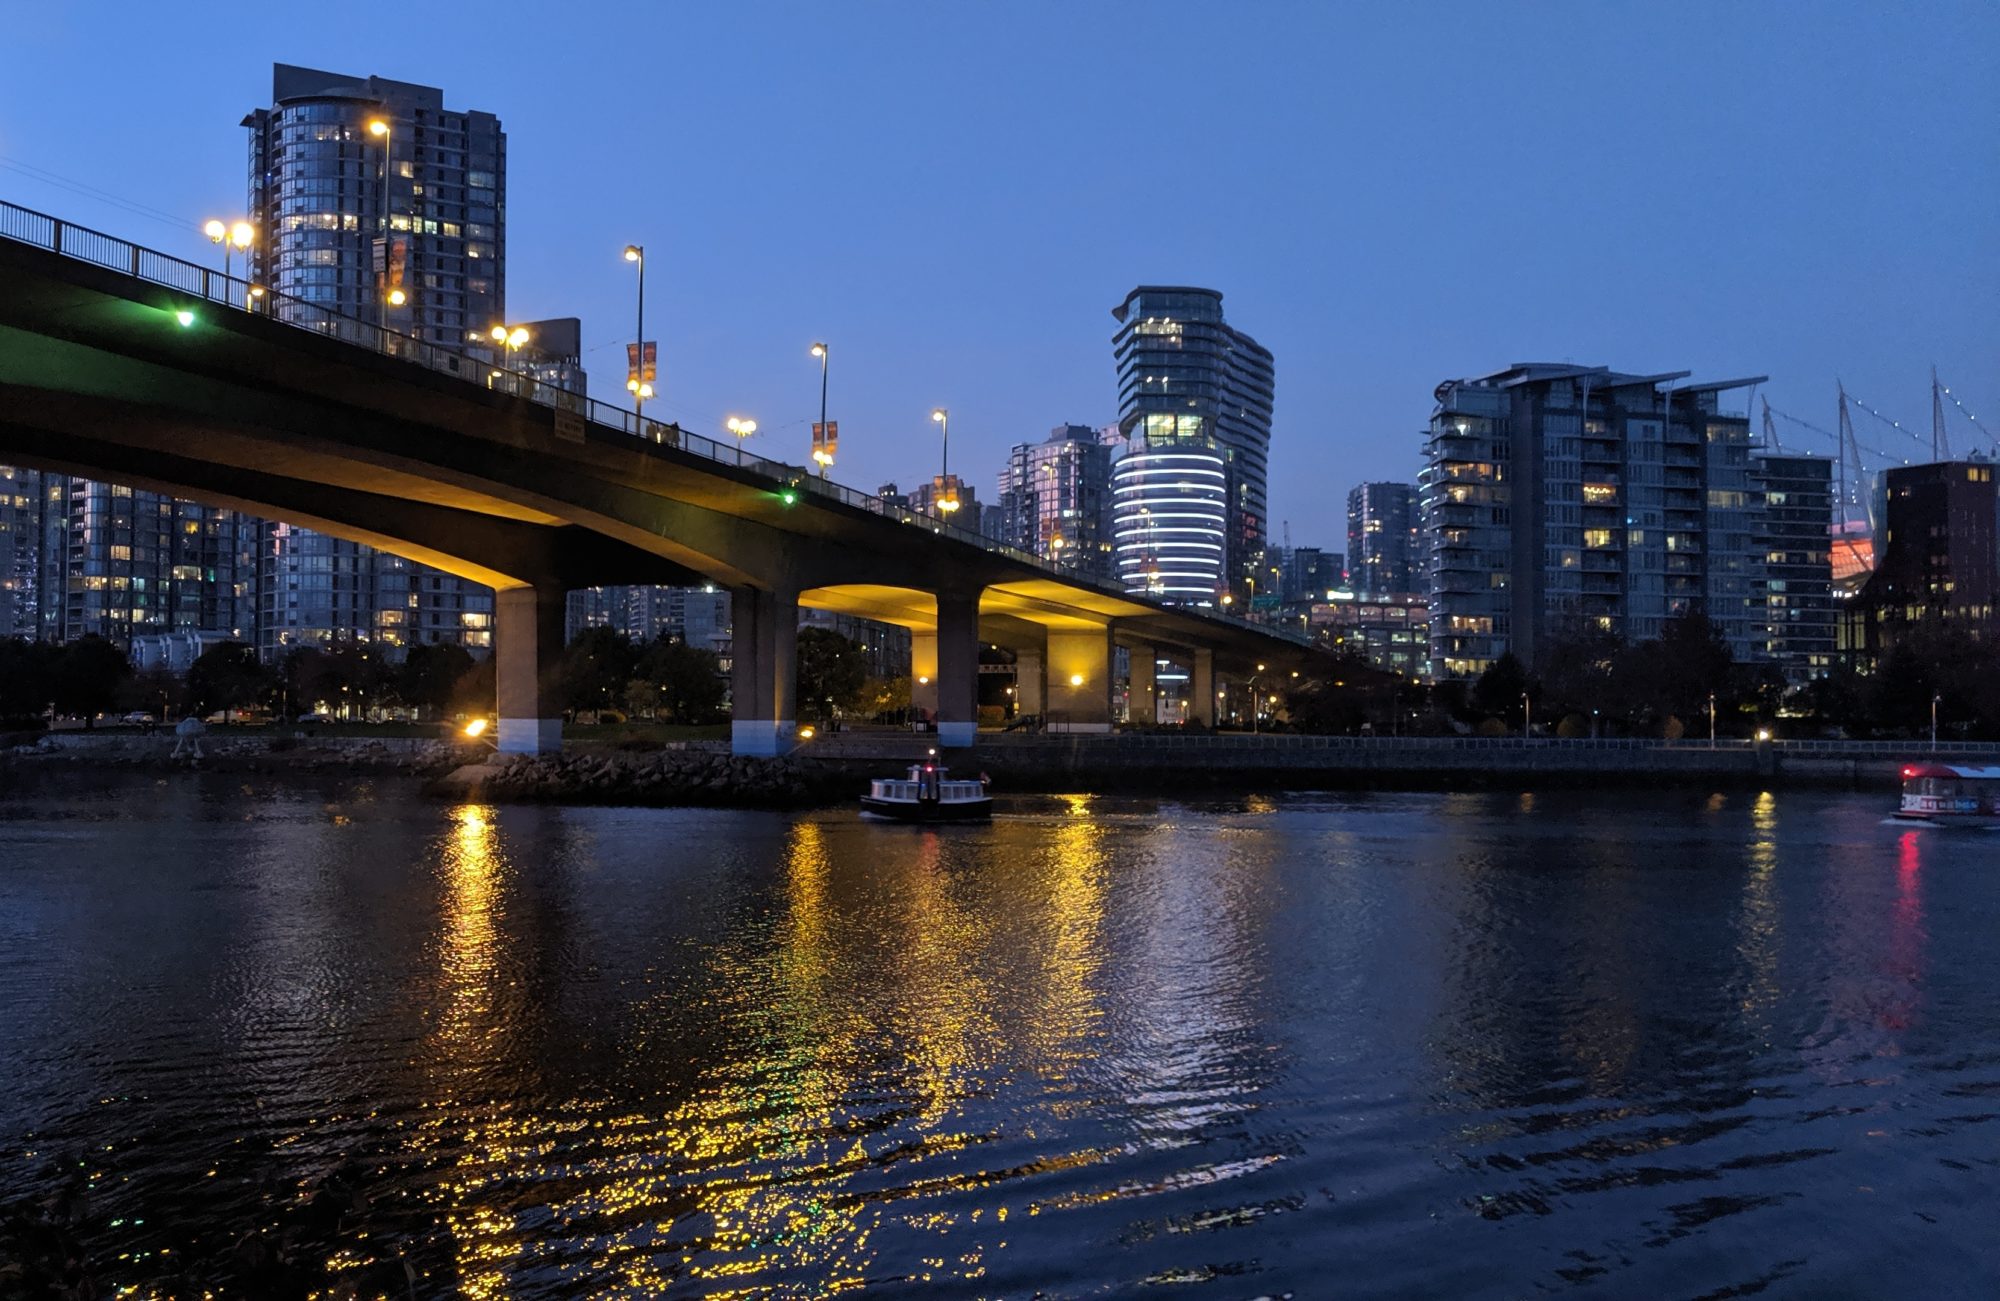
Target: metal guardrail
{"points": [[24, 225]]}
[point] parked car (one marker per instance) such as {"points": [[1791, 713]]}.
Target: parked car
{"points": [[138, 718]]}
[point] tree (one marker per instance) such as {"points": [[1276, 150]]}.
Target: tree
{"points": [[594, 669], [1501, 686], [474, 693], [88, 674], [361, 677], [430, 672], [27, 678], [305, 679], [227, 676], [686, 681], [880, 696], [832, 669]]}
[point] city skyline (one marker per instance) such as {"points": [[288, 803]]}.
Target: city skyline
{"points": [[780, 230]]}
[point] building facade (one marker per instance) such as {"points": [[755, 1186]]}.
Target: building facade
{"points": [[1383, 551], [1169, 521], [375, 200], [1054, 500], [1189, 382], [1794, 534], [1560, 499], [1390, 632], [1939, 564], [32, 508], [137, 563]]}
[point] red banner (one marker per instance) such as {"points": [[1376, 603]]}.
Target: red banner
{"points": [[637, 374], [826, 439]]}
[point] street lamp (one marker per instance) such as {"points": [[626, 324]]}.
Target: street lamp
{"points": [[1936, 696], [742, 429], [948, 502], [1527, 716], [820, 452], [1711, 720], [507, 342], [392, 294], [637, 386], [235, 235]]}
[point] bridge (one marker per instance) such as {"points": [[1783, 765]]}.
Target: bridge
{"points": [[121, 363]]}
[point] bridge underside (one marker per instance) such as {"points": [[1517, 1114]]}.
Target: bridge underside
{"points": [[98, 378]]}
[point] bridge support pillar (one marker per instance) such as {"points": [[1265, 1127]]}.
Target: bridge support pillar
{"points": [[528, 638], [763, 674], [957, 680], [1201, 687], [1030, 695], [1080, 665], [1142, 701]]}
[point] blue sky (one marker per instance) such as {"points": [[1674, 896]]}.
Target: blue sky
{"points": [[955, 195]]}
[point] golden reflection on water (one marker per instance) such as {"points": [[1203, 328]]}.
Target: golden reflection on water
{"points": [[1757, 927], [471, 867], [471, 864], [867, 1013]]}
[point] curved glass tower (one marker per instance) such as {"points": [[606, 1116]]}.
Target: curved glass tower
{"points": [[1168, 522], [1186, 380]]}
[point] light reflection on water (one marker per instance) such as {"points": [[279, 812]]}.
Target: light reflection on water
{"points": [[1447, 1044]]}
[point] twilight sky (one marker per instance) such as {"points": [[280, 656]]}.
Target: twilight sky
{"points": [[955, 195]]}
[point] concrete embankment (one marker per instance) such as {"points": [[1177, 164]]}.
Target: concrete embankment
{"points": [[1229, 761], [835, 769]]}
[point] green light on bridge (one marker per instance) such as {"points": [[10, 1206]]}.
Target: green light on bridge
{"points": [[788, 495], [185, 317]]}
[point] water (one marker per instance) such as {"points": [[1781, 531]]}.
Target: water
{"points": [[1380, 1045]]}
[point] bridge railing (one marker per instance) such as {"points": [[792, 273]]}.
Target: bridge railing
{"points": [[236, 292]]}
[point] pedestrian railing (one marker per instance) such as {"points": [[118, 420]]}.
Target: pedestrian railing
{"points": [[212, 287], [1296, 741]]}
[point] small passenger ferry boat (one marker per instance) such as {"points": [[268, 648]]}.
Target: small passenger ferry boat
{"points": [[928, 794], [1945, 794]]}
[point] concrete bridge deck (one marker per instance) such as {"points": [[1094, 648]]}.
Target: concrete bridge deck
{"points": [[123, 364]]}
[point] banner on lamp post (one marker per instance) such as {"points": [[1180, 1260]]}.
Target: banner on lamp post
{"points": [[826, 439], [642, 369]]}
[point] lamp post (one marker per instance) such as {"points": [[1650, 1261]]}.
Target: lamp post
{"points": [[1711, 720], [1936, 696], [947, 501], [640, 390], [235, 235], [742, 429], [392, 296], [1527, 716], [507, 342], [820, 454], [1254, 680]]}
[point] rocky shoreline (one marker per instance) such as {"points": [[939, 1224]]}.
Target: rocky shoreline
{"points": [[652, 778]]}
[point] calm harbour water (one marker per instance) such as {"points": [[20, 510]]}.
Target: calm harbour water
{"points": [[1649, 1045]]}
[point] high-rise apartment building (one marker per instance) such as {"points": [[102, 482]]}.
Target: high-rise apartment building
{"points": [[1939, 565], [137, 563], [31, 542], [1560, 499], [1055, 500], [1383, 552], [375, 200], [1169, 519], [1190, 384], [1794, 534]]}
